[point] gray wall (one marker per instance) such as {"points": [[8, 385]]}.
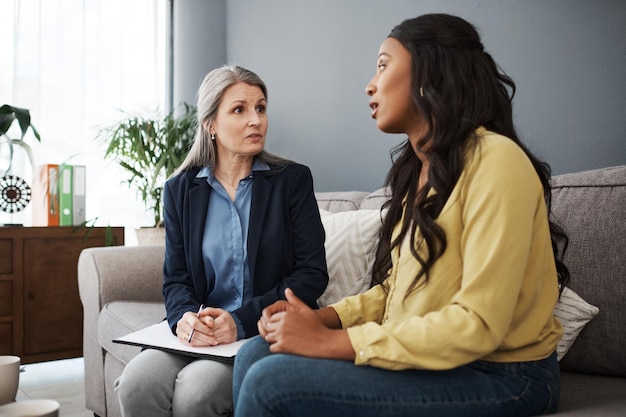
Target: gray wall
{"points": [[568, 58], [198, 44]]}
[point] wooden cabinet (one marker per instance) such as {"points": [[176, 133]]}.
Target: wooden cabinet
{"points": [[41, 316]]}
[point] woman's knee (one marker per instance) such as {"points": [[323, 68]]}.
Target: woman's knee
{"points": [[251, 389], [131, 388], [253, 350], [250, 353], [134, 378], [270, 372], [268, 380], [203, 388], [148, 378]]}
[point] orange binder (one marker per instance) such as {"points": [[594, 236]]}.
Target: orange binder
{"points": [[45, 196]]}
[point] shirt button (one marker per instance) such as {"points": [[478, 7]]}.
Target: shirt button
{"points": [[362, 353]]}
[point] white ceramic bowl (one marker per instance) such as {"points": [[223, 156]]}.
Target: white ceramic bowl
{"points": [[30, 408], [9, 378]]}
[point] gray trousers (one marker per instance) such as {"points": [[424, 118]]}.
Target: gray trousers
{"points": [[162, 384]]}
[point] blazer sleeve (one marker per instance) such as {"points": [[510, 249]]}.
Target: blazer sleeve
{"points": [[178, 285], [299, 261]]}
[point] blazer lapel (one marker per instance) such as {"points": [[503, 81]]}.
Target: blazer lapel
{"points": [[199, 195], [261, 191]]}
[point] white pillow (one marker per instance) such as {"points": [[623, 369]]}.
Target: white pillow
{"points": [[573, 313], [351, 242]]}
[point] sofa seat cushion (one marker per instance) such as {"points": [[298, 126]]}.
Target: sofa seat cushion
{"points": [[120, 318], [584, 395]]}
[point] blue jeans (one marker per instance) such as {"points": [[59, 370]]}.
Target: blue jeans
{"points": [[266, 384]]}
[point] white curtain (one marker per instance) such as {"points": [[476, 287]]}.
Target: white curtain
{"points": [[77, 64]]}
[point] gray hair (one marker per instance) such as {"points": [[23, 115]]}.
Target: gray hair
{"points": [[203, 152]]}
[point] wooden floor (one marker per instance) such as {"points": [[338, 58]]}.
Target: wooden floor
{"points": [[62, 381]]}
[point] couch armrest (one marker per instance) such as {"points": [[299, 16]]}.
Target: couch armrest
{"points": [[105, 274], [117, 273]]}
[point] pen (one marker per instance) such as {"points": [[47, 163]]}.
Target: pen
{"points": [[193, 329]]}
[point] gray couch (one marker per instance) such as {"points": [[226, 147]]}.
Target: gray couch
{"points": [[120, 288]]}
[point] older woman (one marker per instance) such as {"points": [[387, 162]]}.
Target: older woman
{"points": [[242, 225]]}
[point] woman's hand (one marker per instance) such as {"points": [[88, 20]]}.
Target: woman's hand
{"points": [[195, 330], [223, 324], [209, 327], [293, 327]]}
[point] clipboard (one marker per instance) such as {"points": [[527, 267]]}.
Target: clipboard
{"points": [[159, 336]]}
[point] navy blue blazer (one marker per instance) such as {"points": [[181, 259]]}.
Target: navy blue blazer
{"points": [[285, 242]]}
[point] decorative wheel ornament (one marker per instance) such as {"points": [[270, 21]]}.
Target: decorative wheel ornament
{"points": [[14, 194]]}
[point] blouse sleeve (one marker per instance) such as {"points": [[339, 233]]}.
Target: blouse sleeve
{"points": [[362, 308]]}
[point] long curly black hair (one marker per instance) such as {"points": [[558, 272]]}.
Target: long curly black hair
{"points": [[456, 87]]}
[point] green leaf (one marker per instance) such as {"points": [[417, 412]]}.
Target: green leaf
{"points": [[8, 114]]}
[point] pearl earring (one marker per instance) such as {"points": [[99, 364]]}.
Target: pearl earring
{"points": [[212, 136]]}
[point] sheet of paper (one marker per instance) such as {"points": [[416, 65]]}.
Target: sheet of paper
{"points": [[159, 336]]}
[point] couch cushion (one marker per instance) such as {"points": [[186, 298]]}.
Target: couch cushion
{"points": [[590, 206], [351, 241], [120, 318], [376, 199], [336, 201], [584, 395]]}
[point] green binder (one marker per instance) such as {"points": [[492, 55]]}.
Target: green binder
{"points": [[65, 195]]}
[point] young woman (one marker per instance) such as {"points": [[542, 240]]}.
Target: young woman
{"points": [[241, 225], [460, 321]]}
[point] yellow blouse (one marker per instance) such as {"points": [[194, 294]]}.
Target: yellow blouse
{"points": [[490, 296]]}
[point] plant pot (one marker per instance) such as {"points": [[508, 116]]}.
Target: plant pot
{"points": [[150, 236]]}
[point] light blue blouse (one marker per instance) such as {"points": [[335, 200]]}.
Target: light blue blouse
{"points": [[225, 243]]}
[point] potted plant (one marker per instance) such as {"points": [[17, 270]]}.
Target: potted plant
{"points": [[8, 115], [149, 149]]}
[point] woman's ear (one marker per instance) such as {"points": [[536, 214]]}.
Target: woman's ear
{"points": [[207, 126]]}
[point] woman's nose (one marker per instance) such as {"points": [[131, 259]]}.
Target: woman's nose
{"points": [[370, 88], [255, 120]]}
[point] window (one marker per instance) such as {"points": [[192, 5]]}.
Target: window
{"points": [[77, 64]]}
